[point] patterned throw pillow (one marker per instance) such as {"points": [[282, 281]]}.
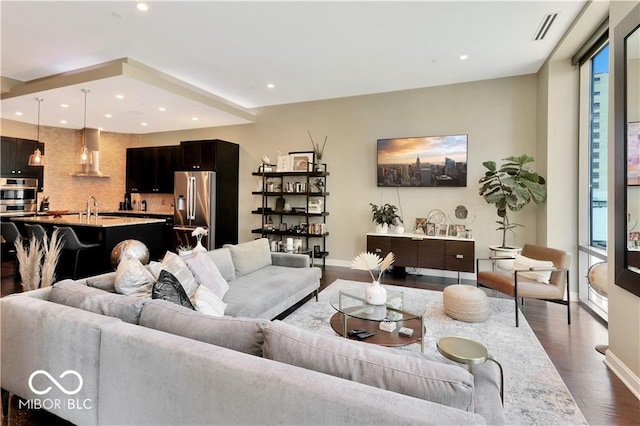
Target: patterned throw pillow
{"points": [[169, 288]]}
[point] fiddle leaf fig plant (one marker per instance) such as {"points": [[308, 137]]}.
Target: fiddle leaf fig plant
{"points": [[511, 187]]}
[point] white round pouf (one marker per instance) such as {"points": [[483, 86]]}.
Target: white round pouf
{"points": [[465, 303]]}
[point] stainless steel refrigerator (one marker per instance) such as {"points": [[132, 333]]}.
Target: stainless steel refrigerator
{"points": [[194, 206]]}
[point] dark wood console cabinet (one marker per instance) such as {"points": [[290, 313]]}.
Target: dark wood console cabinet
{"points": [[419, 251]]}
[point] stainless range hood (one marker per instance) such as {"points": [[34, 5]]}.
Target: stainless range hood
{"points": [[92, 167]]}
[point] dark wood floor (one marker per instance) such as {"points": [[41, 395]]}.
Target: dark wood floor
{"points": [[601, 396]]}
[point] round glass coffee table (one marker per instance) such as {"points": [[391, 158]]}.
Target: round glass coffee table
{"points": [[355, 313]]}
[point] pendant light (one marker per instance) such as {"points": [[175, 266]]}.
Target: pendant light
{"points": [[37, 158], [85, 155]]}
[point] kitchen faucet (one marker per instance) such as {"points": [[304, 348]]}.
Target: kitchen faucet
{"points": [[95, 204]]}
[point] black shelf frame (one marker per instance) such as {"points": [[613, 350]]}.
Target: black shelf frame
{"points": [[306, 195]]}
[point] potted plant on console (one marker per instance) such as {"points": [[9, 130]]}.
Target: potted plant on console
{"points": [[509, 188], [384, 216]]}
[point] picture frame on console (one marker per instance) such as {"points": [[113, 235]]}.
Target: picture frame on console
{"points": [[430, 229], [421, 224], [442, 230], [302, 161]]}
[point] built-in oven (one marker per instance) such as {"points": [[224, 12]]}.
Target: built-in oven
{"points": [[18, 196]]}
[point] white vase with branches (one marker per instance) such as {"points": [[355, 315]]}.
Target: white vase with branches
{"points": [[375, 294]]}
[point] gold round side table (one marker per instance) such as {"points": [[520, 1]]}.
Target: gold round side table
{"points": [[469, 352]]}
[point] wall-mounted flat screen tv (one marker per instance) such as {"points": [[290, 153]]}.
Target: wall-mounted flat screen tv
{"points": [[423, 161]]}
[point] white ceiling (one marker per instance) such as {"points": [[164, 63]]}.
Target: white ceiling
{"points": [[232, 50]]}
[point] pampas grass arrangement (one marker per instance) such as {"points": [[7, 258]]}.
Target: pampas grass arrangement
{"points": [[29, 256], [51, 251], [35, 272]]}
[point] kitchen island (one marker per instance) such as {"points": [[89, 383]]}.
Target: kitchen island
{"points": [[108, 231]]}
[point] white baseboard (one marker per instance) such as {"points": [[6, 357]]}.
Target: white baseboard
{"points": [[630, 380]]}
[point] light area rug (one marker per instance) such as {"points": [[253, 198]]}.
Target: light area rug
{"points": [[534, 392]]}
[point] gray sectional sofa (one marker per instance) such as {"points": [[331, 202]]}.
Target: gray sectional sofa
{"points": [[151, 362], [262, 284]]}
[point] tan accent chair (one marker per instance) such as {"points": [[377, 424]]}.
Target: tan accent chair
{"points": [[518, 286]]}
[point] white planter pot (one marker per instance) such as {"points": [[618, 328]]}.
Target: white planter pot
{"points": [[506, 265], [399, 229], [382, 228], [375, 294]]}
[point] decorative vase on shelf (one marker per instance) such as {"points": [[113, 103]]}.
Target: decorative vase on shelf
{"points": [[382, 228], [399, 229], [375, 294]]}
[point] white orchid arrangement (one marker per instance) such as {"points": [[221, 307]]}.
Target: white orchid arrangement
{"points": [[366, 261], [199, 232]]}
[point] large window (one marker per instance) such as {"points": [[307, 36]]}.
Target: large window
{"points": [[594, 123], [599, 116]]}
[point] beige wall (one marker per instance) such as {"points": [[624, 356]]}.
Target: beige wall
{"points": [[498, 115]]}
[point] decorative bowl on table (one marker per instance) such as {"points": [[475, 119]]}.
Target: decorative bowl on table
{"points": [[57, 213]]}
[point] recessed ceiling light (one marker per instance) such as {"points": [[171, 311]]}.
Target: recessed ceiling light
{"points": [[18, 112], [143, 123], [270, 85], [194, 118], [142, 6], [63, 121], [119, 96], [463, 57], [108, 115], [64, 106], [162, 109]]}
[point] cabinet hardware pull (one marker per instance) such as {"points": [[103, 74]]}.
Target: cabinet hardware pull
{"points": [[378, 250], [459, 256]]}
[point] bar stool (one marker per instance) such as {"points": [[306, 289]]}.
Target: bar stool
{"points": [[70, 242], [36, 231], [11, 234]]}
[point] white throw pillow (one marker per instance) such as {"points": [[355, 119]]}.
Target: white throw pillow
{"points": [[251, 256], [206, 302], [524, 263], [207, 274], [133, 278], [174, 264]]}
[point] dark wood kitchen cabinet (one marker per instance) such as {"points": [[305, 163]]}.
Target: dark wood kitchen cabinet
{"points": [[150, 170], [15, 154], [206, 155]]}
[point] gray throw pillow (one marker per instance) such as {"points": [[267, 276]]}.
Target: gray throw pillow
{"points": [[445, 384], [251, 256], [70, 293], [104, 282], [222, 258]]}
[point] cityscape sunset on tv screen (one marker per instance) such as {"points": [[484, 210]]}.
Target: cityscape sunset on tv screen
{"points": [[428, 161]]}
